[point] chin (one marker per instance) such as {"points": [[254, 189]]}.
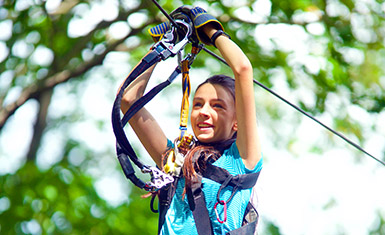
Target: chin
{"points": [[205, 139]]}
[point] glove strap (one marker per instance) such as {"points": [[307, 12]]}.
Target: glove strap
{"points": [[216, 35]]}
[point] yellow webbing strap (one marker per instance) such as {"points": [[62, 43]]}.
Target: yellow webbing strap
{"points": [[184, 109], [175, 159], [184, 138]]}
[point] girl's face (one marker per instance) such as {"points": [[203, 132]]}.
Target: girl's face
{"points": [[213, 116]]}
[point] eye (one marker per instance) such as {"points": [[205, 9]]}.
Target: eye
{"points": [[217, 105], [197, 104]]}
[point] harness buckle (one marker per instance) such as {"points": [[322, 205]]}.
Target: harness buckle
{"points": [[159, 179], [171, 43]]}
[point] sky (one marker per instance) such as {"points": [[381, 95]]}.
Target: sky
{"points": [[338, 191]]}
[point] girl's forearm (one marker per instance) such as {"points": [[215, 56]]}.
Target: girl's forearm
{"points": [[136, 89]]}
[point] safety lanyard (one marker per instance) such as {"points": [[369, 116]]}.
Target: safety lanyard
{"points": [[184, 109], [175, 159]]}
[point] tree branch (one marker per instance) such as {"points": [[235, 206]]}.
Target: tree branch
{"points": [[82, 41], [40, 123], [34, 90]]}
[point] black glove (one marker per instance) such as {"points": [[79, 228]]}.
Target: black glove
{"points": [[201, 18]]}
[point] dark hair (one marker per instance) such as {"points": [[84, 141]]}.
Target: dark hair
{"points": [[222, 80]]}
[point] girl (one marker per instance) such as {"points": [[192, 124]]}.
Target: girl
{"points": [[223, 119]]}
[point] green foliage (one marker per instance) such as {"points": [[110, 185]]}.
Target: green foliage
{"points": [[273, 229], [62, 200]]}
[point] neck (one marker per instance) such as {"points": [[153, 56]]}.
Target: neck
{"points": [[219, 145]]}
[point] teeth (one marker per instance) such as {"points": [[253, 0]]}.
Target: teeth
{"points": [[204, 125]]}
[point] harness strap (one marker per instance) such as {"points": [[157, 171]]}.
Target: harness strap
{"points": [[220, 175], [185, 139], [184, 110], [124, 149], [248, 229], [123, 145], [151, 94], [197, 203], [128, 170], [165, 198]]}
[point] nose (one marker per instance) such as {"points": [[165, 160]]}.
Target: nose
{"points": [[204, 111]]}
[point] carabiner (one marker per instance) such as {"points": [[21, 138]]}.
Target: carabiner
{"points": [[224, 210]]}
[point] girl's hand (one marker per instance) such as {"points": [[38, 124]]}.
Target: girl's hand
{"points": [[203, 20]]}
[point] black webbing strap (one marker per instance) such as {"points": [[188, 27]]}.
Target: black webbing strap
{"points": [[220, 175], [128, 170], [151, 94], [122, 142], [165, 198], [124, 149], [248, 229], [197, 202]]}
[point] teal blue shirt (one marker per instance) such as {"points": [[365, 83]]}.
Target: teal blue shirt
{"points": [[179, 218]]}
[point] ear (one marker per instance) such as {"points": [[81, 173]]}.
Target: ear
{"points": [[235, 126]]}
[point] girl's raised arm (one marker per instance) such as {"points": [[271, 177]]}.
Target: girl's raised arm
{"points": [[247, 135], [144, 125]]}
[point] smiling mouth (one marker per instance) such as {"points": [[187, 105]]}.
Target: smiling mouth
{"points": [[204, 125]]}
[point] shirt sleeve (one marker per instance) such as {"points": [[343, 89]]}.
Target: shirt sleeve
{"points": [[237, 160], [170, 144]]}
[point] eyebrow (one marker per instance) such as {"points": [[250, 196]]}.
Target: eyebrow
{"points": [[200, 98]]}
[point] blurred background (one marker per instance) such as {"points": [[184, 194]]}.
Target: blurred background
{"points": [[61, 63]]}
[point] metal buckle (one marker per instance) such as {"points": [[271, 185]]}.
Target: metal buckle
{"points": [[168, 46], [159, 179]]}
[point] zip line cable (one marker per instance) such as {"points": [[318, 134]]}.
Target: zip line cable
{"points": [[302, 111], [283, 99], [165, 13]]}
